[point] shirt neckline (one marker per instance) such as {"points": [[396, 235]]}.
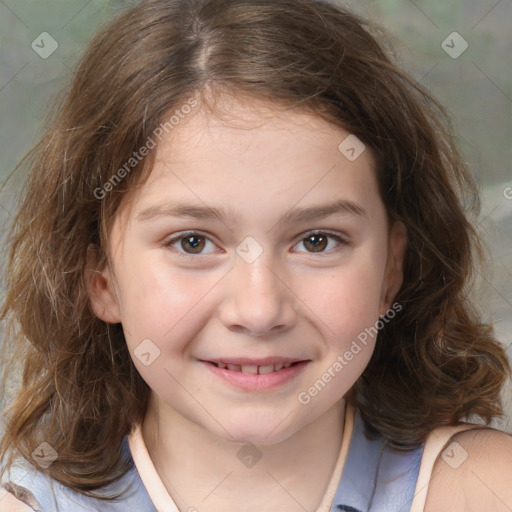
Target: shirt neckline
{"points": [[163, 501]]}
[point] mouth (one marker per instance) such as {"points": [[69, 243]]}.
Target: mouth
{"points": [[257, 375], [254, 369]]}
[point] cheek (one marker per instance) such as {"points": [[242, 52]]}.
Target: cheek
{"points": [[162, 311], [155, 299], [347, 299]]}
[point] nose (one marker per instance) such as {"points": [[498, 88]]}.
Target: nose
{"points": [[258, 300]]}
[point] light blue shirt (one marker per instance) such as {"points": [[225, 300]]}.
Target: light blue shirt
{"points": [[375, 478]]}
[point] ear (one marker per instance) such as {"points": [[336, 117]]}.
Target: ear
{"points": [[100, 288], [394, 274]]}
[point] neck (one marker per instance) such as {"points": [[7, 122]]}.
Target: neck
{"points": [[202, 471]]}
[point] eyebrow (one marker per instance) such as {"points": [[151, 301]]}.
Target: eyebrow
{"points": [[309, 213]]}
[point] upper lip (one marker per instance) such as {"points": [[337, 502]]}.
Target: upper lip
{"points": [[247, 361]]}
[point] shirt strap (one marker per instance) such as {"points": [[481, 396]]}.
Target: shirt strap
{"points": [[148, 473], [348, 427]]}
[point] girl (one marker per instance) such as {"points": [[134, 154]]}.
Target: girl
{"points": [[239, 279]]}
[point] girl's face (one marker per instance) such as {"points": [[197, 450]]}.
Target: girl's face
{"points": [[254, 244]]}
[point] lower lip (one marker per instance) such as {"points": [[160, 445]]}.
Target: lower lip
{"points": [[257, 382]]}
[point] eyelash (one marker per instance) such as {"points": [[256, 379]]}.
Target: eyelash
{"points": [[168, 243]]}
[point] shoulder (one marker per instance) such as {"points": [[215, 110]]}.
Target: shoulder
{"points": [[10, 503], [24, 488], [19, 486], [473, 472]]}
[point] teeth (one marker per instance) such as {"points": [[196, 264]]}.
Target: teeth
{"points": [[253, 369], [263, 370], [250, 369]]}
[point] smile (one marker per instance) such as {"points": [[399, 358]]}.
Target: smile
{"points": [[256, 377], [255, 369]]}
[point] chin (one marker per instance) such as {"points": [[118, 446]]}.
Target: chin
{"points": [[259, 437], [263, 432]]}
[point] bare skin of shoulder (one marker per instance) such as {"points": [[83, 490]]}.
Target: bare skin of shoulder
{"points": [[473, 474], [15, 498]]}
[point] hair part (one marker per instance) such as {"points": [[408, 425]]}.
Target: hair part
{"points": [[435, 364]]}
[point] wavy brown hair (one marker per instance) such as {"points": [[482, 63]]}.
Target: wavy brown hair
{"points": [[435, 364]]}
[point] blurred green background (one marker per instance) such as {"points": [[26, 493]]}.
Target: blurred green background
{"points": [[475, 86]]}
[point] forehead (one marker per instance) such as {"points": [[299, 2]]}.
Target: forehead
{"points": [[250, 152], [240, 124]]}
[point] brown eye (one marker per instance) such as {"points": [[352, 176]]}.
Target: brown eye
{"points": [[195, 243], [189, 244], [316, 242], [322, 242]]}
